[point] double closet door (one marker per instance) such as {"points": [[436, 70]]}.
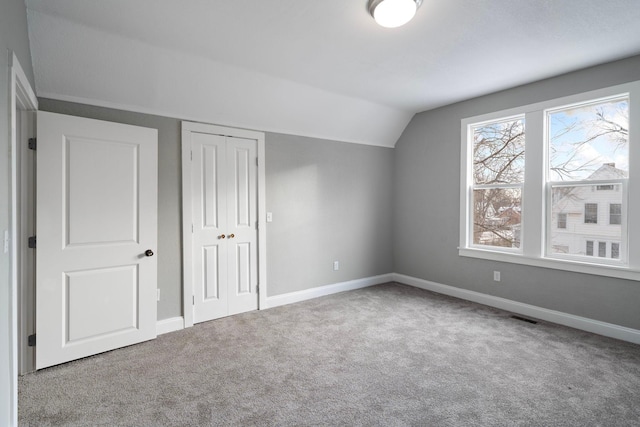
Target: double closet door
{"points": [[225, 221]]}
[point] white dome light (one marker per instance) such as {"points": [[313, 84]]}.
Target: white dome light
{"points": [[393, 13]]}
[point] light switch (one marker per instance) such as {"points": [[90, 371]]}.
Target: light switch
{"points": [[269, 216]]}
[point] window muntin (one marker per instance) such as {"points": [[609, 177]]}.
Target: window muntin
{"points": [[498, 175]]}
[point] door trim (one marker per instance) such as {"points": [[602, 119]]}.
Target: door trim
{"points": [[22, 98], [187, 214]]}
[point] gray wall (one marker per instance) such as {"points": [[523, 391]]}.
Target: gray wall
{"points": [[426, 223], [13, 37], [331, 201]]}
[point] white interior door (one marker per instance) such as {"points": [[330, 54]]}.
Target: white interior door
{"points": [[96, 218], [224, 205]]}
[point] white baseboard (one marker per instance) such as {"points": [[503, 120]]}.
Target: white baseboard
{"points": [[583, 323], [321, 291], [165, 326]]}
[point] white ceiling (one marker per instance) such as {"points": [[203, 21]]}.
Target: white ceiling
{"points": [[315, 68]]}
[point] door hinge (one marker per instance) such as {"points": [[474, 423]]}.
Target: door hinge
{"points": [[192, 155], [31, 340], [32, 242], [192, 228], [33, 143], [193, 299], [256, 161]]}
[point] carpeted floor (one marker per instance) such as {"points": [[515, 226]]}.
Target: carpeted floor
{"points": [[389, 355]]}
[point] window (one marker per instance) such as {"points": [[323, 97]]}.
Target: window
{"points": [[602, 249], [553, 213], [615, 213], [590, 247], [590, 213], [498, 173], [605, 187], [562, 220], [615, 250]]}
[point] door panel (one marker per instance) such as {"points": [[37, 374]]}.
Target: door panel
{"points": [[86, 162], [96, 216]]}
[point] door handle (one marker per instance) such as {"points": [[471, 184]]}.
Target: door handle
{"points": [[231, 236], [222, 236], [148, 252]]}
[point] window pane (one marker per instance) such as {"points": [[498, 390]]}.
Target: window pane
{"points": [[615, 214], [589, 141], [498, 152], [562, 220], [602, 249], [590, 213], [615, 250], [496, 217], [581, 219]]}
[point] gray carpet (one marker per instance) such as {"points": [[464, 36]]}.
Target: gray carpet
{"points": [[388, 355]]}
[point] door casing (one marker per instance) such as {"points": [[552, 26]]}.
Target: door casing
{"points": [[187, 212]]}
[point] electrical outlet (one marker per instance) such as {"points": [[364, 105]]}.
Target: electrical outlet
{"points": [[336, 265], [496, 276]]}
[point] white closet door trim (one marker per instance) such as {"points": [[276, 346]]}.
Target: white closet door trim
{"points": [[187, 213]]}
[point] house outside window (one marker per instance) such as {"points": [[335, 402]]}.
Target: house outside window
{"points": [[578, 165]]}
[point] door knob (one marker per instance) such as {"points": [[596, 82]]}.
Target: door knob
{"points": [[148, 252], [231, 236], [222, 236]]}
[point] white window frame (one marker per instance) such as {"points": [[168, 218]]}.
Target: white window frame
{"points": [[535, 195]]}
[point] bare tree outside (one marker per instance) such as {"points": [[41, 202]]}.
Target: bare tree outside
{"points": [[498, 168], [583, 138]]}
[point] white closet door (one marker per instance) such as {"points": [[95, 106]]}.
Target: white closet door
{"points": [[96, 219], [224, 206]]}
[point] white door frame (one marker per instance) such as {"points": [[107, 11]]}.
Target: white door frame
{"points": [[22, 98], [187, 214]]}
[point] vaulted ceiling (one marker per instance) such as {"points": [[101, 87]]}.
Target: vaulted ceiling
{"points": [[315, 68]]}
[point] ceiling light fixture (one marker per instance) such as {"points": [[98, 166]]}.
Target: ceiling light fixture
{"points": [[393, 13]]}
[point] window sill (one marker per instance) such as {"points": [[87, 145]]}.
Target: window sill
{"points": [[621, 272]]}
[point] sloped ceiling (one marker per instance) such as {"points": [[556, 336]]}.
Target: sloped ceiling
{"points": [[314, 68]]}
